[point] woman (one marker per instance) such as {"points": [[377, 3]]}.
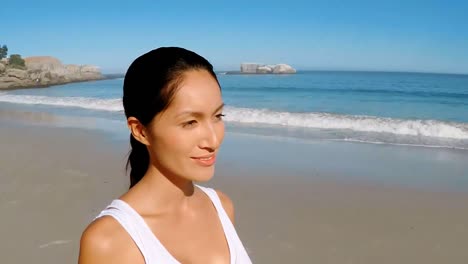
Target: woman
{"points": [[172, 100]]}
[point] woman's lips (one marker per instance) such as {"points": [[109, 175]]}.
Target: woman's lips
{"points": [[205, 161]]}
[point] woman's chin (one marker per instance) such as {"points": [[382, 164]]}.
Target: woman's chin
{"points": [[203, 176]]}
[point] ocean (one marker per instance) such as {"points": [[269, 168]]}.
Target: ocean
{"points": [[410, 109]]}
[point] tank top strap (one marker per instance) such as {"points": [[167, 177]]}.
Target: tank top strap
{"points": [[213, 195], [228, 227], [150, 247]]}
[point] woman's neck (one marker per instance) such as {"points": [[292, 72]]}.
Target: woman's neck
{"points": [[158, 193]]}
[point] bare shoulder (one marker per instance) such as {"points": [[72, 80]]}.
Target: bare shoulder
{"points": [[105, 241], [227, 203]]}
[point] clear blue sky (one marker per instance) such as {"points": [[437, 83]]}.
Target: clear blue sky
{"points": [[424, 36]]}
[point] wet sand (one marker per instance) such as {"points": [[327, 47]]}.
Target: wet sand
{"points": [[53, 181]]}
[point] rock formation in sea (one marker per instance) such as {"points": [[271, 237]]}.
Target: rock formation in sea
{"points": [[255, 68], [43, 71]]}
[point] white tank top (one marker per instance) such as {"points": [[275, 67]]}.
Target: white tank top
{"points": [[151, 248]]}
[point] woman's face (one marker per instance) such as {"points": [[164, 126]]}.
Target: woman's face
{"points": [[184, 139]]}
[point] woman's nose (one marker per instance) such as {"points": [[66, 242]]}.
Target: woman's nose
{"points": [[210, 137]]}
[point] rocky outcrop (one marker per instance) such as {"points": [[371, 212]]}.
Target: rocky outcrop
{"points": [[263, 69], [283, 68], [45, 71], [254, 68]]}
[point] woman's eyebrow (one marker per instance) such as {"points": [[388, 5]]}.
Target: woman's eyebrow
{"points": [[195, 113], [219, 108]]}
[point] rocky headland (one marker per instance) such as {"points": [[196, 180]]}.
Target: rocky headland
{"points": [[43, 71], [255, 68]]}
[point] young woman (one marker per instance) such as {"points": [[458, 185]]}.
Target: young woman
{"points": [[172, 100]]}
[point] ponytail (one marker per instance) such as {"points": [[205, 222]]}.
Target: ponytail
{"points": [[138, 161]]}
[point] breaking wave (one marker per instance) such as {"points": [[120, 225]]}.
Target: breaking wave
{"points": [[411, 127]]}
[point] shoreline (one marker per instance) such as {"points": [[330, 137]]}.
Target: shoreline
{"points": [[117, 76], [430, 168]]}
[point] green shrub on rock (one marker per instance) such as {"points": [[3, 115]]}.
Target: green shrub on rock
{"points": [[16, 61]]}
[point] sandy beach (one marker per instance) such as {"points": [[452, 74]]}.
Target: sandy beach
{"points": [[346, 126], [60, 178]]}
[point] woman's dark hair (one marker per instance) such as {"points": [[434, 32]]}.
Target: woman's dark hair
{"points": [[149, 86]]}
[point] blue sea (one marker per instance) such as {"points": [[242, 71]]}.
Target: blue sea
{"points": [[411, 109]]}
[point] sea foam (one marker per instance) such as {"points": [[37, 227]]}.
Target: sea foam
{"points": [[316, 120], [412, 127], [113, 105]]}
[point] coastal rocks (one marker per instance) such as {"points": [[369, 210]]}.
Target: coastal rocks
{"points": [[44, 71], [264, 69], [9, 79], [16, 73], [46, 63], [249, 67], [89, 71], [254, 68], [283, 68], [13, 77]]}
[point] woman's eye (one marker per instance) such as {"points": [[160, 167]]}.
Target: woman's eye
{"points": [[220, 116], [189, 123]]}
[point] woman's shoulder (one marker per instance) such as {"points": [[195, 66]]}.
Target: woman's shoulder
{"points": [[227, 203], [105, 241], [102, 231]]}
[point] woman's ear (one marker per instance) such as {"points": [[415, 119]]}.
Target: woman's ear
{"points": [[138, 130]]}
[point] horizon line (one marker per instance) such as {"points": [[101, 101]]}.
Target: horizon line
{"points": [[330, 70]]}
